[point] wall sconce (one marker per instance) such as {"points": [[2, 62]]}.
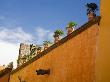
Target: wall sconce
{"points": [[43, 72]]}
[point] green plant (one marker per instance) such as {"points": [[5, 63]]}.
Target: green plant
{"points": [[71, 24], [91, 7], [58, 33], [25, 56], [46, 42], [32, 49], [39, 48], [31, 45]]}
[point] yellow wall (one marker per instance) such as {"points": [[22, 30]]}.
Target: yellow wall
{"points": [[103, 58], [5, 78], [73, 61]]}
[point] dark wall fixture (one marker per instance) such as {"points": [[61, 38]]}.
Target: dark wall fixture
{"points": [[43, 72]]}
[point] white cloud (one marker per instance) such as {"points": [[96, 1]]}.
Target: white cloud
{"points": [[8, 52], [10, 39], [15, 35], [43, 34], [9, 43]]}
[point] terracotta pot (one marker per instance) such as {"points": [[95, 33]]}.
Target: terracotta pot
{"points": [[70, 30], [46, 46], [91, 16], [38, 51], [56, 39]]}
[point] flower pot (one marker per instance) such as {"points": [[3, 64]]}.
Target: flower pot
{"points": [[46, 46], [91, 16], [56, 39], [69, 30], [38, 51]]}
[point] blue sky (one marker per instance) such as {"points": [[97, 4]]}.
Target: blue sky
{"points": [[49, 14], [35, 20]]}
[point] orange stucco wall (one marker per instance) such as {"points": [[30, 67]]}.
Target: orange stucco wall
{"points": [[73, 61], [5, 78], [103, 57]]}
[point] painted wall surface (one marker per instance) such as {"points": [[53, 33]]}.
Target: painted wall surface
{"points": [[103, 58], [5, 78], [73, 61]]}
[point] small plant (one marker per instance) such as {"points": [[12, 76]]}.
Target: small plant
{"points": [[39, 48], [71, 24], [24, 58], [33, 49], [70, 27], [91, 10], [46, 42], [10, 65], [91, 7], [58, 33]]}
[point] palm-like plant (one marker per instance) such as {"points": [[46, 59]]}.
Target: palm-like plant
{"points": [[91, 10], [91, 7], [57, 35], [70, 27], [71, 24]]}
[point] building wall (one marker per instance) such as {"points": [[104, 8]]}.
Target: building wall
{"points": [[103, 57], [5, 74], [73, 61], [5, 78]]}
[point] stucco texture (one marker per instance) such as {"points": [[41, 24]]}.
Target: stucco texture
{"points": [[5, 78], [73, 61], [103, 57]]}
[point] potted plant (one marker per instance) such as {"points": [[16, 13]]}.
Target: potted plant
{"points": [[70, 27], [57, 35], [46, 44], [91, 10], [39, 50]]}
